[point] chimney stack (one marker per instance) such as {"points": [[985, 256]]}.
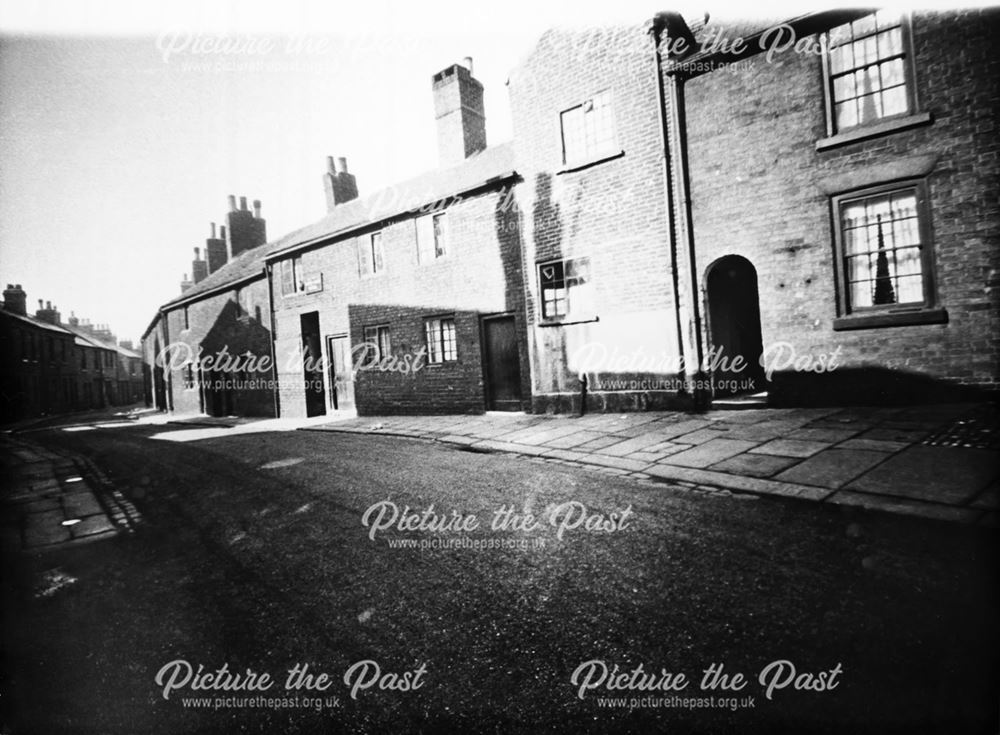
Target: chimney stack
{"points": [[246, 229], [73, 321], [340, 185], [15, 300], [186, 283], [215, 248], [47, 312], [461, 117], [199, 268]]}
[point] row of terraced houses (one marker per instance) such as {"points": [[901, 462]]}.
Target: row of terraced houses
{"points": [[49, 366], [807, 215]]}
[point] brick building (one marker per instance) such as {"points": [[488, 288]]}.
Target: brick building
{"points": [[224, 310], [833, 202], [412, 296], [856, 190], [50, 367], [799, 212]]}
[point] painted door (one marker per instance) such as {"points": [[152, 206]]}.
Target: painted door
{"points": [[341, 375], [312, 365], [502, 364]]}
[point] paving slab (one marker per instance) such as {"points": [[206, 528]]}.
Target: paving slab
{"points": [[669, 430], [938, 474], [44, 529], [895, 435], [709, 453], [635, 444], [755, 465], [92, 527], [791, 448], [874, 445], [574, 440], [601, 442], [832, 468], [81, 504], [701, 436], [832, 436], [759, 433]]}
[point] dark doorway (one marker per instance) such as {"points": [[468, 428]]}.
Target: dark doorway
{"points": [[502, 364], [341, 373], [734, 314], [312, 365]]}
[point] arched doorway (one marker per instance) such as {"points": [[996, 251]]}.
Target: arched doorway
{"points": [[734, 325]]}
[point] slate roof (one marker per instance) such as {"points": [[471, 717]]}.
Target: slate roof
{"points": [[491, 165], [33, 321]]}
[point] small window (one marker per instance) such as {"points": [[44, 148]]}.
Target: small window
{"points": [[370, 255], [432, 237], [588, 130], [292, 281], [377, 346], [441, 342], [565, 288], [869, 70], [883, 249]]}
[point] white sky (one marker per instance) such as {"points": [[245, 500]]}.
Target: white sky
{"points": [[115, 156]]}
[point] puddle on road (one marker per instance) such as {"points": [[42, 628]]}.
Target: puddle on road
{"points": [[281, 463], [52, 581]]}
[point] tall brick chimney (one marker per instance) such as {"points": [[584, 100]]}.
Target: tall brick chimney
{"points": [[215, 248], [15, 300], [47, 313], [199, 268], [340, 186], [458, 108], [246, 229]]}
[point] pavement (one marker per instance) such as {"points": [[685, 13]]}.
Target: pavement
{"points": [[51, 499], [934, 461]]}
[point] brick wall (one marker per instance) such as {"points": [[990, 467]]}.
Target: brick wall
{"points": [[481, 274], [237, 321], [612, 212], [761, 189]]}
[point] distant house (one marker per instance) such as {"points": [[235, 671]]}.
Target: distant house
{"points": [[50, 367]]}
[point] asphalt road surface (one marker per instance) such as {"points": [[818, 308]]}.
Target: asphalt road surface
{"points": [[254, 554]]}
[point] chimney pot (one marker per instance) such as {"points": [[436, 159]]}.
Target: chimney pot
{"points": [[256, 208], [48, 304], [341, 165], [41, 304], [232, 202], [213, 230], [243, 203], [330, 167], [468, 63]]}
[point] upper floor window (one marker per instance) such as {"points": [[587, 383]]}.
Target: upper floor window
{"points": [[370, 254], [442, 345], [432, 237], [565, 288], [883, 248], [292, 281], [869, 71], [588, 130]]}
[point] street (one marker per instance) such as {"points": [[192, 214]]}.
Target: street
{"points": [[446, 590]]}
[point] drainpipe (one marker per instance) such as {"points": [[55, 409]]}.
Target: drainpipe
{"points": [[274, 359], [656, 31], [676, 150], [167, 374]]}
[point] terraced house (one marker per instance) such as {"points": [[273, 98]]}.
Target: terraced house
{"points": [[787, 212]]}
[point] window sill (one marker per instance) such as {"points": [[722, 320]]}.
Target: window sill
{"points": [[568, 322], [864, 132], [580, 166], [891, 319]]}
